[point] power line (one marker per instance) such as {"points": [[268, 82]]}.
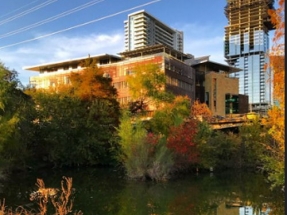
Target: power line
{"points": [[80, 25], [18, 9], [27, 11], [89, 4]]}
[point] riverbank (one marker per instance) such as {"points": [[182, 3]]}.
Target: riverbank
{"points": [[107, 191]]}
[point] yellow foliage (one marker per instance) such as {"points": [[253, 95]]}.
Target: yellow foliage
{"points": [[274, 163], [277, 113], [200, 109]]}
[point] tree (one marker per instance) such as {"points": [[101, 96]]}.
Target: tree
{"points": [[91, 83], [147, 85], [253, 137], [76, 132], [225, 150], [200, 110], [171, 114], [16, 116], [275, 157], [205, 147], [181, 141], [168, 142], [76, 122]]}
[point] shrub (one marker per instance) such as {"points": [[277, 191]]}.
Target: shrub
{"points": [[143, 155], [162, 163], [181, 142]]}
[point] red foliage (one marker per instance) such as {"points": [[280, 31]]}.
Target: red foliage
{"points": [[181, 142], [152, 138]]}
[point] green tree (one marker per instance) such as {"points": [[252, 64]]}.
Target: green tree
{"points": [[226, 150], [134, 151], [76, 122], [16, 116], [170, 114], [72, 132], [207, 156], [253, 138]]}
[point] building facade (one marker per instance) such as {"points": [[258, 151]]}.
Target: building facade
{"points": [[217, 89], [245, 47], [142, 29], [196, 78], [180, 78], [54, 74]]}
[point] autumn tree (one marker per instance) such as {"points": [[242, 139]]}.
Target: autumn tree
{"points": [[181, 141], [170, 115], [275, 155], [169, 133], [147, 85], [145, 151], [200, 111], [90, 83]]}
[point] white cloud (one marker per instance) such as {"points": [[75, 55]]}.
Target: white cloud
{"points": [[202, 40], [59, 48], [206, 46]]}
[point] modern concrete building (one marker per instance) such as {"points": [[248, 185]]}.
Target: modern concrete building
{"points": [[55, 73], [180, 77], [245, 47], [197, 78], [142, 29], [215, 88]]}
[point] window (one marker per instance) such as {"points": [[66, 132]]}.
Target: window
{"points": [[129, 72]]}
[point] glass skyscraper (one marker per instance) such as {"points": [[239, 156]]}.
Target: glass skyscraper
{"points": [[246, 45]]}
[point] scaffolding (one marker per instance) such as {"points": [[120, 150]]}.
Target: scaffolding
{"points": [[245, 17]]}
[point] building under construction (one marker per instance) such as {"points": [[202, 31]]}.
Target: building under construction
{"points": [[246, 44]]}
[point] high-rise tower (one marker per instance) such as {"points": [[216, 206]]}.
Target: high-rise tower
{"points": [[245, 47], [142, 29]]}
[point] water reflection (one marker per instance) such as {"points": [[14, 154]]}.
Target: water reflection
{"points": [[106, 191]]}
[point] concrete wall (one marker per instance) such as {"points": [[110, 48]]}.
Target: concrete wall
{"points": [[217, 85]]}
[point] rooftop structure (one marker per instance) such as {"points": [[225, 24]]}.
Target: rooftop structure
{"points": [[155, 49], [70, 64]]}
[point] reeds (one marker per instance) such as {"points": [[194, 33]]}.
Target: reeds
{"points": [[61, 200]]}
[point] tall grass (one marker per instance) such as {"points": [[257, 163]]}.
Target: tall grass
{"points": [[61, 200], [162, 162], [140, 157]]}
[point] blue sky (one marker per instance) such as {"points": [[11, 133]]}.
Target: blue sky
{"points": [[36, 31]]}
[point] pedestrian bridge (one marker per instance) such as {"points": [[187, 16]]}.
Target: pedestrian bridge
{"points": [[226, 123], [229, 122]]}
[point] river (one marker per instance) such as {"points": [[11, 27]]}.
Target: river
{"points": [[104, 191]]}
